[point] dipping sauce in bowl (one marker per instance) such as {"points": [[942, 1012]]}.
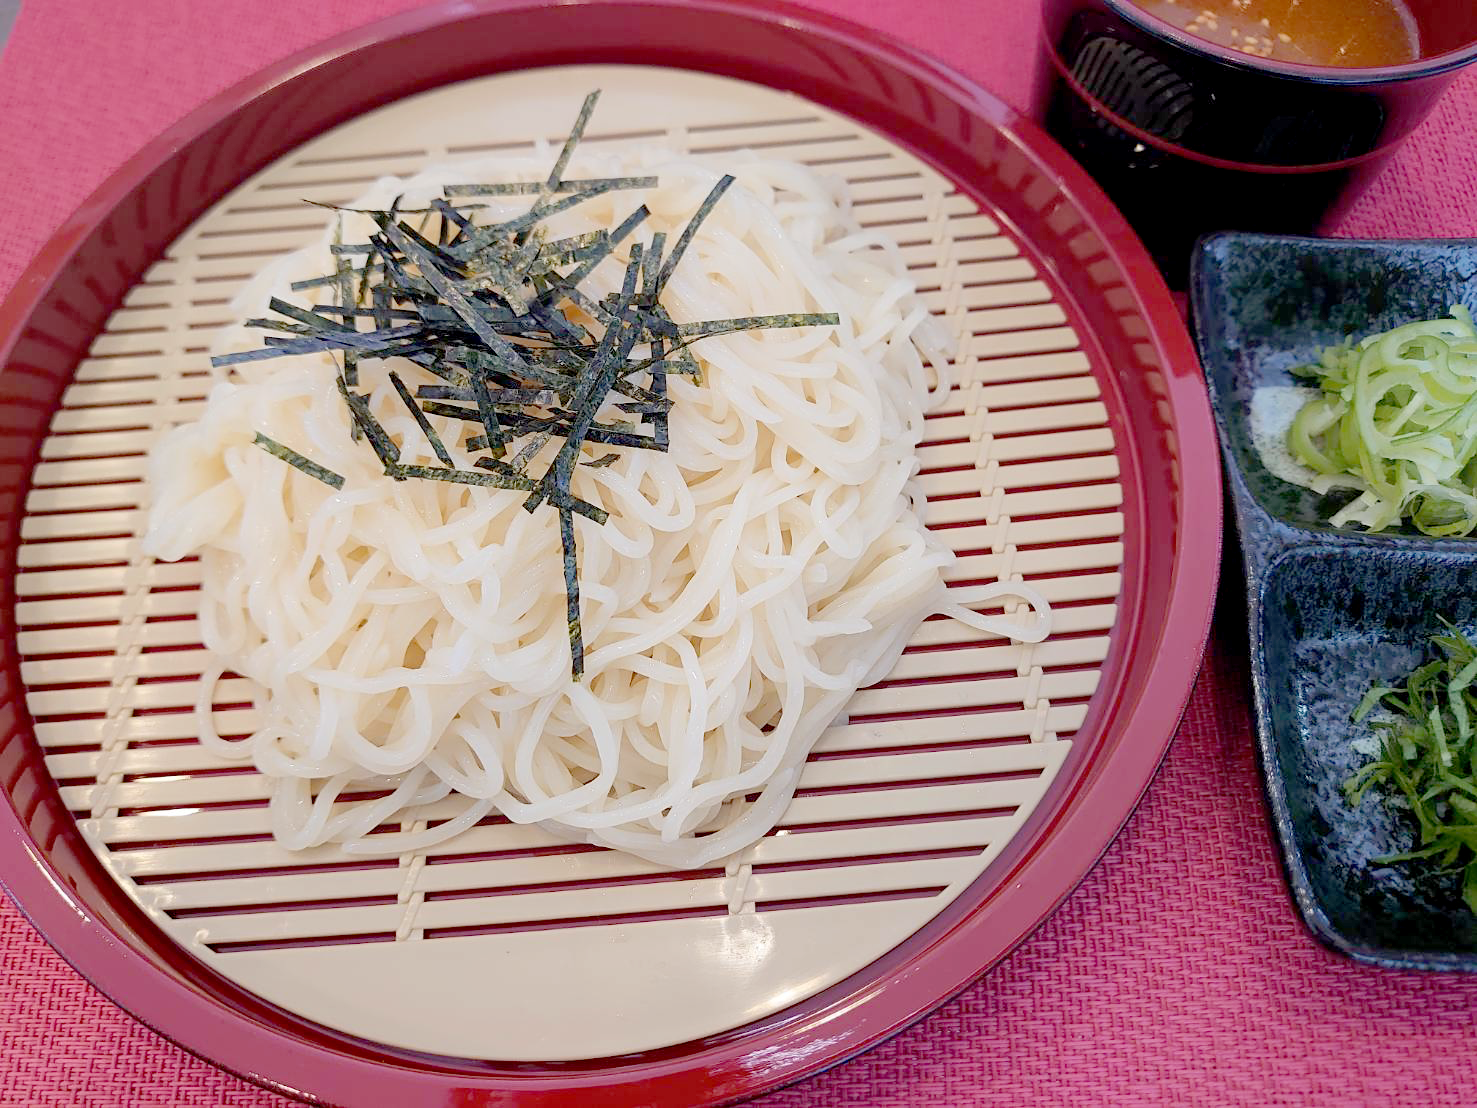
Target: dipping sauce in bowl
{"points": [[1258, 115], [1353, 33]]}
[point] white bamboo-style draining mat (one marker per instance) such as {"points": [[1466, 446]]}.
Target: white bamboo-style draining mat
{"points": [[503, 943]]}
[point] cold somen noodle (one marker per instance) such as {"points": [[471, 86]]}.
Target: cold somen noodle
{"points": [[409, 639]]}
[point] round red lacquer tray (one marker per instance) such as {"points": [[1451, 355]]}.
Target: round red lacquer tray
{"points": [[1113, 299]]}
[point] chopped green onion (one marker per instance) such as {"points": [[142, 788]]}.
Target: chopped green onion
{"points": [[1396, 419], [1428, 758]]}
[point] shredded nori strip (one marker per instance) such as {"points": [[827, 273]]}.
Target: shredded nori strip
{"points": [[450, 213], [530, 450], [369, 427], [614, 347], [461, 477], [651, 264], [338, 340], [279, 325], [604, 436], [343, 269], [598, 254], [572, 593], [519, 398], [485, 408], [352, 313], [498, 313], [311, 319], [491, 233], [369, 266], [372, 211], [457, 411], [495, 479], [645, 407], [685, 238], [756, 323], [577, 132], [420, 417], [524, 188], [297, 461]]}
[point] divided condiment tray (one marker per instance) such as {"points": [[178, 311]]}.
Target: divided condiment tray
{"points": [[1333, 610]]}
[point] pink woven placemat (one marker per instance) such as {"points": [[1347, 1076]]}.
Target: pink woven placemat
{"points": [[1177, 974]]}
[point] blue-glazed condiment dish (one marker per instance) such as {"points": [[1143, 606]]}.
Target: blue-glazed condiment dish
{"points": [[1333, 610]]}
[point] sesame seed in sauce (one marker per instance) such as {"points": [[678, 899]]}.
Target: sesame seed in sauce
{"points": [[1334, 32]]}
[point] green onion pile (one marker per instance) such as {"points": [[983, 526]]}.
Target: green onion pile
{"points": [[1428, 757], [1396, 420]]}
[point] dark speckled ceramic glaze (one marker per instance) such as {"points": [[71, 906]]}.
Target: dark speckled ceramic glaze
{"points": [[1333, 610]]}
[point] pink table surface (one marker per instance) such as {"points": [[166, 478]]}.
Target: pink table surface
{"points": [[1178, 972]]}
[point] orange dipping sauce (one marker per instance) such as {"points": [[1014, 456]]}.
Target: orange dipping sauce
{"points": [[1356, 33]]}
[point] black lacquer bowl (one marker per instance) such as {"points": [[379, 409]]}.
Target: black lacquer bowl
{"points": [[1333, 610]]}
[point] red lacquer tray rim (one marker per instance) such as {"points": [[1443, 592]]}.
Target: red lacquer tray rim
{"points": [[965, 941]]}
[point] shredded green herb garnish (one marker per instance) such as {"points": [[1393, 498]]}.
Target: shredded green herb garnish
{"points": [[528, 357], [1428, 757], [1396, 420]]}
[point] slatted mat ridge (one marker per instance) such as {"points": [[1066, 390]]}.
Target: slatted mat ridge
{"points": [[902, 805]]}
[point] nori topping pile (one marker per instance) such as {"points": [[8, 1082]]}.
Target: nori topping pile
{"points": [[497, 312]]}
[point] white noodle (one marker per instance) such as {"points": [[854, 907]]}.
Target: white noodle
{"points": [[409, 637]]}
